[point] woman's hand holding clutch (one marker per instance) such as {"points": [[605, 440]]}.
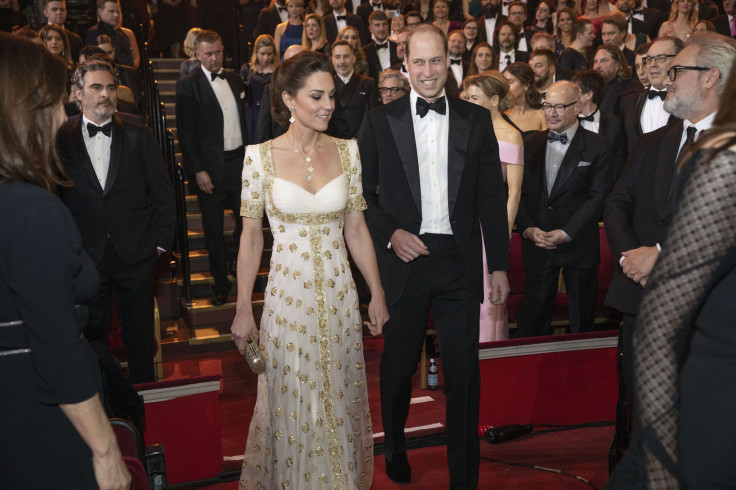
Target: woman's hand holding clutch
{"points": [[244, 325], [377, 313]]}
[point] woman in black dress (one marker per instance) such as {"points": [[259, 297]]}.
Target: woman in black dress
{"points": [[53, 430]]}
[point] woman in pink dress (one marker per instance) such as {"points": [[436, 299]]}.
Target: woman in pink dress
{"points": [[491, 90]]}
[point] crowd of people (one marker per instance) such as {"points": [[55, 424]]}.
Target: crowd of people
{"points": [[473, 120]]}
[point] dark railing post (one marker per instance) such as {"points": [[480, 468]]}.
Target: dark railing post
{"points": [[183, 235]]}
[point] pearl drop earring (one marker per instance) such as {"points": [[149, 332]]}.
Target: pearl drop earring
{"points": [[291, 117]]}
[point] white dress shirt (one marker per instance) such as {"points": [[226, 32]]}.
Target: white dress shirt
{"points": [[522, 42], [593, 125], [701, 126], [491, 28], [555, 153], [384, 55], [233, 137], [98, 149], [284, 14], [341, 23], [346, 79], [653, 116], [502, 63], [431, 135], [457, 70]]}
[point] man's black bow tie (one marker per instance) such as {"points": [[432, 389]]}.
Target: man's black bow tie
{"points": [[423, 107], [506, 4], [381, 46], [217, 75], [341, 17], [637, 12], [281, 9], [590, 117], [662, 94], [377, 5], [93, 129], [456, 62], [552, 136]]}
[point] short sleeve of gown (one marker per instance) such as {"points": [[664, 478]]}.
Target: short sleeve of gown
{"points": [[251, 195], [356, 201]]}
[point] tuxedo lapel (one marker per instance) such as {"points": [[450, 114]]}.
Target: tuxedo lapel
{"points": [[666, 167], [83, 156], [639, 107], [402, 129], [208, 94], [569, 162], [116, 150], [348, 90], [456, 152]]}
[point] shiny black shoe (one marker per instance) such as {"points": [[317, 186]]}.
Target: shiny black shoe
{"points": [[398, 469], [220, 299]]}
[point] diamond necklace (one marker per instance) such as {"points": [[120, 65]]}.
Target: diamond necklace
{"points": [[308, 156]]}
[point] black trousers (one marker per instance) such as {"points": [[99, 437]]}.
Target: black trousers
{"points": [[439, 281], [540, 293], [133, 292], [224, 195]]}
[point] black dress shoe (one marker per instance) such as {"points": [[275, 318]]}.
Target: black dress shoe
{"points": [[220, 299], [398, 469]]}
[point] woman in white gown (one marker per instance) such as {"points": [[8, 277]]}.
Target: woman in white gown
{"points": [[311, 425]]}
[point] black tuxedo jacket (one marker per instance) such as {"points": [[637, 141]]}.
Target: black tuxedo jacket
{"points": [[562, 73], [631, 106], [722, 25], [364, 10], [641, 206], [371, 56], [352, 20], [136, 208], [75, 43], [575, 205], [612, 95], [200, 122], [484, 36], [475, 189], [354, 99], [644, 26], [268, 19]]}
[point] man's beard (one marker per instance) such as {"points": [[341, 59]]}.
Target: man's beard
{"points": [[542, 81], [682, 107], [490, 11]]}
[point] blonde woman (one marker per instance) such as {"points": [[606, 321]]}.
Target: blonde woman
{"points": [[290, 32], [257, 74], [492, 91], [682, 20], [314, 37], [189, 65], [352, 36]]}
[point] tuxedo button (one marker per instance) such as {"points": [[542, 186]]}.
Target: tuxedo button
{"points": [[550, 208]]}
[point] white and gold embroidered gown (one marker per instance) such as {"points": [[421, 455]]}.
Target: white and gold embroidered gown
{"points": [[311, 425]]}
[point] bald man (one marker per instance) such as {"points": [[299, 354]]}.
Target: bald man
{"points": [[567, 176]]}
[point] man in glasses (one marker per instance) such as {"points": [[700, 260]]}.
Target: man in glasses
{"points": [[641, 206], [643, 112], [568, 174]]}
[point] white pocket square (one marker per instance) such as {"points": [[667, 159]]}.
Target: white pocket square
{"points": [[584, 164], [242, 95]]}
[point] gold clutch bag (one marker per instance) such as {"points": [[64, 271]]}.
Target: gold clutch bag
{"points": [[253, 356]]}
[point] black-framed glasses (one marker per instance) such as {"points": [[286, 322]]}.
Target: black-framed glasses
{"points": [[660, 58], [673, 71], [392, 90], [558, 108]]}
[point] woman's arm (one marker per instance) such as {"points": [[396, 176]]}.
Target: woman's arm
{"points": [[466, 10], [360, 245], [514, 177], [249, 259], [90, 420], [277, 37]]}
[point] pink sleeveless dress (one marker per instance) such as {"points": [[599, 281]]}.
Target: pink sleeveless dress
{"points": [[494, 321]]}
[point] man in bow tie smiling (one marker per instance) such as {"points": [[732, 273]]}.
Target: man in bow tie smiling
{"points": [[123, 203], [381, 52], [568, 173], [435, 159]]}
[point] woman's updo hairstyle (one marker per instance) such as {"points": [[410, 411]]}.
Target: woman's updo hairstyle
{"points": [[290, 76], [492, 83]]}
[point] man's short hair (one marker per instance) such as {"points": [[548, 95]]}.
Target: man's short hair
{"points": [[83, 68], [89, 50], [545, 53], [578, 27], [377, 16], [341, 42], [716, 51], [616, 19], [677, 43], [517, 3], [101, 3], [590, 81], [426, 28], [46, 2], [454, 32], [206, 36], [548, 38]]}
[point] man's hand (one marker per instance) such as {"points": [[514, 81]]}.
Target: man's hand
{"points": [[204, 182], [539, 237], [638, 263], [555, 237], [499, 287], [407, 246]]}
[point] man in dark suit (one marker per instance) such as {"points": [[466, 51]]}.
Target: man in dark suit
{"points": [[643, 111], [640, 20], [456, 48], [504, 44], [725, 23], [126, 52], [567, 176], [380, 53], [355, 94], [339, 18], [609, 61], [517, 16], [543, 63], [365, 9], [123, 203], [613, 33], [210, 117], [436, 162], [641, 206], [489, 18], [270, 17], [55, 13]]}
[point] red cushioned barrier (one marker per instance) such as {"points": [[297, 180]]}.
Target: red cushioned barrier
{"points": [[187, 424], [561, 379]]}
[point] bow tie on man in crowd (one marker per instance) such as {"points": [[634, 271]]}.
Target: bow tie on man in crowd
{"points": [[381, 46], [657, 93], [217, 75], [439, 106], [94, 129], [457, 61], [552, 136], [341, 17], [377, 6]]}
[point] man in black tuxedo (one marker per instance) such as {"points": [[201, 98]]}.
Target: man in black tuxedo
{"points": [[725, 23], [380, 53], [365, 9], [613, 33], [455, 49], [270, 17], [609, 61], [55, 13], [640, 20], [543, 63], [123, 203], [126, 51], [568, 173], [355, 94], [643, 111], [518, 16], [641, 206], [436, 162], [210, 117], [489, 18], [339, 18], [504, 44]]}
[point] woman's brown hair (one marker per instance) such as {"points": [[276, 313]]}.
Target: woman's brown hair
{"points": [[290, 76]]}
